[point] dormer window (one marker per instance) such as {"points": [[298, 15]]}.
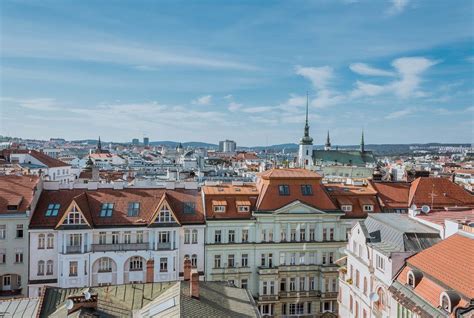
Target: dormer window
{"points": [[445, 303], [449, 300], [368, 208], [346, 208], [53, 209], [243, 206], [284, 189], [219, 206], [107, 209], [414, 277], [165, 215], [12, 207], [133, 209], [306, 189]]}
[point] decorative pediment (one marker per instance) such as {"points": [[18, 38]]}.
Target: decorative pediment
{"points": [[164, 214], [73, 216], [298, 207]]}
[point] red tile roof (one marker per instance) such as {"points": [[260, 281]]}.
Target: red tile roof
{"points": [[392, 195], [439, 217], [446, 193], [17, 190], [449, 262], [289, 173], [230, 196], [90, 202]]}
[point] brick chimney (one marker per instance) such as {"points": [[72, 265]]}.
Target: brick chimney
{"points": [[187, 268], [150, 270], [194, 284]]}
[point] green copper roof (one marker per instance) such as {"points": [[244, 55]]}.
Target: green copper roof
{"points": [[348, 157]]}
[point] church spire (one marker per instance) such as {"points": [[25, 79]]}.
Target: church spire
{"points": [[362, 144], [306, 140], [327, 146], [99, 146]]}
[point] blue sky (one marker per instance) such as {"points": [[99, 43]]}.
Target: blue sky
{"points": [[401, 70]]}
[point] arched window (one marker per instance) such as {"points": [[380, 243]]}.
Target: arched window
{"points": [[187, 235], [195, 237], [41, 241], [414, 276], [136, 263], [449, 300], [49, 267], [40, 268], [194, 260], [411, 279], [50, 241], [380, 304], [445, 304], [105, 265]]}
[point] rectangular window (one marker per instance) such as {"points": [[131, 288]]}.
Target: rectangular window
{"points": [[3, 256], [331, 257], [102, 237], [230, 260], [189, 207], [263, 260], [331, 234], [133, 209], [127, 237], [73, 269], [292, 309], [283, 284], [75, 239], [325, 233], [217, 261], [217, 236], [368, 208], [53, 210], [306, 189], [380, 263], [245, 236], [284, 189], [50, 241], [293, 235], [139, 236], [187, 236], [115, 237], [163, 264], [219, 208], [194, 236], [346, 208], [163, 237], [302, 279], [19, 231], [106, 209], [244, 283], [231, 236], [245, 260], [3, 231], [312, 234], [292, 284], [243, 208], [302, 234], [312, 283], [19, 256]]}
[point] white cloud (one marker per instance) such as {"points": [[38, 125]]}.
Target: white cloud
{"points": [[399, 113], [364, 69], [41, 104], [233, 106], [146, 68], [367, 89], [257, 109], [319, 76], [203, 100], [229, 96], [398, 6]]}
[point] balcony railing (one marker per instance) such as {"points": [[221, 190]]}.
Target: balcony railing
{"points": [[267, 297], [267, 270], [119, 247], [164, 246], [72, 249]]}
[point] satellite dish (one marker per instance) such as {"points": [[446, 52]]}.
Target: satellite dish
{"points": [[414, 207], [87, 295], [425, 209], [374, 297], [69, 304]]}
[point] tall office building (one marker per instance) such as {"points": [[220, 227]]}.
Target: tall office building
{"points": [[135, 141], [146, 141], [227, 146]]}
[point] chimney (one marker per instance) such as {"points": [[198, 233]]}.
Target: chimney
{"points": [[150, 270], [194, 284], [187, 268]]}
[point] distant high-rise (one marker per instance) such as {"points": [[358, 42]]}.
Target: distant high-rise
{"points": [[135, 141], [227, 146], [146, 141]]}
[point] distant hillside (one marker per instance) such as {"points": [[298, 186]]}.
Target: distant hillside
{"points": [[193, 144]]}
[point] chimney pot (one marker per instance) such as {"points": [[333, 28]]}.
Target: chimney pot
{"points": [[187, 268], [194, 284]]}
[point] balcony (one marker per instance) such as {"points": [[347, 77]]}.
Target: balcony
{"points": [[299, 294], [74, 249], [268, 297], [267, 270], [119, 247], [164, 246], [329, 295], [298, 268]]}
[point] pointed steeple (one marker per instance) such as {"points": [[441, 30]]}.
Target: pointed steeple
{"points": [[306, 140], [99, 145], [362, 144], [327, 146]]}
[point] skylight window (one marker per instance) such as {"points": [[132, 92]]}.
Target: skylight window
{"points": [[53, 209], [106, 210], [133, 208]]}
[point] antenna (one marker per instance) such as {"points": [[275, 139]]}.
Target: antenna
{"points": [[69, 304]]}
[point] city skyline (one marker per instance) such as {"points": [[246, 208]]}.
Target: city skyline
{"points": [[206, 71]]}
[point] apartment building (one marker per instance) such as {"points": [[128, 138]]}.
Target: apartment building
{"points": [[107, 236], [376, 251], [279, 238], [18, 197]]}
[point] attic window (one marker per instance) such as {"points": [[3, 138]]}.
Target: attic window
{"points": [[165, 216], [445, 305], [53, 210], [106, 210], [306, 189], [74, 217], [189, 207], [133, 208], [12, 207], [346, 208], [284, 189], [368, 208]]}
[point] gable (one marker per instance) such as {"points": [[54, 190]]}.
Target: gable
{"points": [[164, 214], [73, 216], [298, 207]]}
